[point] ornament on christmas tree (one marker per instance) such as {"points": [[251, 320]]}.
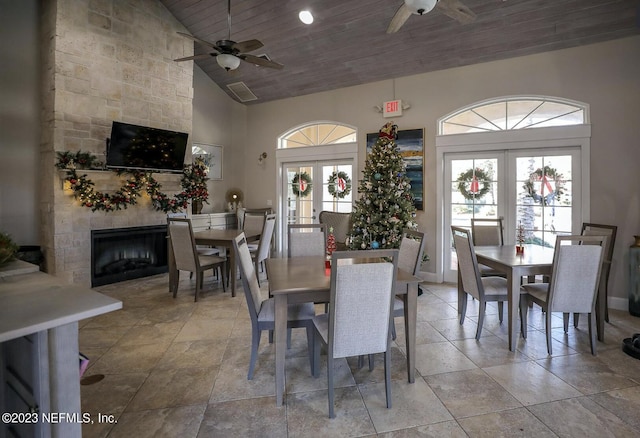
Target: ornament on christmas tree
{"points": [[375, 244]]}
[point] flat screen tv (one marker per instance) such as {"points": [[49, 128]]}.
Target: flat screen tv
{"points": [[143, 148]]}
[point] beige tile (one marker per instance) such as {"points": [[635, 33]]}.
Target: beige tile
{"points": [[255, 417], [183, 421], [413, 404], [100, 337], [151, 333], [586, 373], [535, 346], [173, 388], [465, 393], [299, 378], [442, 357], [506, 424], [449, 429], [192, 354], [530, 383], [308, 414], [624, 403], [130, 358], [452, 330], [580, 417], [201, 327], [489, 351]]}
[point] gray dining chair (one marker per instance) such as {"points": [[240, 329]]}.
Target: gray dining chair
{"points": [[488, 232], [185, 253], [360, 312], [263, 250], [253, 221], [262, 310], [341, 224], [483, 289], [610, 231], [409, 259], [306, 240], [574, 281]]}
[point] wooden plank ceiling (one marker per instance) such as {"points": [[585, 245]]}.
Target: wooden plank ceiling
{"points": [[348, 45]]}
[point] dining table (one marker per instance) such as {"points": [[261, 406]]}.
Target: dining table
{"points": [[218, 238], [307, 279], [534, 260]]}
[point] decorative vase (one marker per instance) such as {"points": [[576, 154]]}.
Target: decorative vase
{"points": [[520, 249], [196, 207]]}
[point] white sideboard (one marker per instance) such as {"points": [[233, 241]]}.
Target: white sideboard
{"points": [[215, 221]]}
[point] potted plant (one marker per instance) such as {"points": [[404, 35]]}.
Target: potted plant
{"points": [[7, 248]]}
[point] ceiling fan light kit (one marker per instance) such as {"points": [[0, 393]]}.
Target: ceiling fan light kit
{"points": [[420, 7], [452, 8], [228, 62]]}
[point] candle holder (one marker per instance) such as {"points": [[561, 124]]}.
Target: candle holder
{"points": [[520, 239]]}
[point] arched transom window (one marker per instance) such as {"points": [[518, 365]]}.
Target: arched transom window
{"points": [[510, 113], [318, 134]]}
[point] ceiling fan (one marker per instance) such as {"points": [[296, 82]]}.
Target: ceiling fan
{"points": [[228, 53], [451, 8]]}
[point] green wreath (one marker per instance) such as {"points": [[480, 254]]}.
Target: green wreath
{"points": [[301, 184], [465, 179], [339, 184], [543, 175]]}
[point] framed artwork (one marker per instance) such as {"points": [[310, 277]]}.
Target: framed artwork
{"points": [[212, 156], [411, 145]]}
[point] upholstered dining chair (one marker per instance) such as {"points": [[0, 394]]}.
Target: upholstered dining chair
{"points": [[409, 259], [360, 312], [263, 250], [591, 229], [185, 254], [253, 221], [574, 281], [306, 240], [483, 289], [488, 232], [341, 224], [262, 310]]}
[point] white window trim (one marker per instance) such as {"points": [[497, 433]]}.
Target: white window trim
{"points": [[538, 138]]}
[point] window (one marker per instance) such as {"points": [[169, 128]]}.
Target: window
{"points": [[318, 134], [509, 113]]}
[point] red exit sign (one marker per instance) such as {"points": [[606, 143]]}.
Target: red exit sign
{"points": [[392, 108]]}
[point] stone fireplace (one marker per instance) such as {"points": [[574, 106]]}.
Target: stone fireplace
{"points": [[104, 61]]}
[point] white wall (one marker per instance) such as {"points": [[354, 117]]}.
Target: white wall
{"points": [[19, 120], [219, 120], [603, 75]]}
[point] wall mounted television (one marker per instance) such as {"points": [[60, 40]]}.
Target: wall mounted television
{"points": [[143, 148]]}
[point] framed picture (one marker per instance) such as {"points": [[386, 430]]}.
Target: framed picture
{"points": [[212, 156], [411, 145]]}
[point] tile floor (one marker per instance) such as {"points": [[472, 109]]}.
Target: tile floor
{"points": [[175, 368]]}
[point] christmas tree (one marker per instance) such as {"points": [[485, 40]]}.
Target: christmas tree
{"points": [[385, 206]]}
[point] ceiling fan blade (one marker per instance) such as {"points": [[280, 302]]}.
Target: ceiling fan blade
{"points": [[194, 57], [402, 14], [261, 61], [206, 43], [247, 46], [457, 10]]}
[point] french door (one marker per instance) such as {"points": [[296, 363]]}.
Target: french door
{"points": [[306, 190], [538, 189]]}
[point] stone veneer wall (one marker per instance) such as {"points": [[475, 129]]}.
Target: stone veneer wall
{"points": [[104, 60]]}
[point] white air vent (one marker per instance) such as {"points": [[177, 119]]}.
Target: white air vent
{"points": [[242, 92]]}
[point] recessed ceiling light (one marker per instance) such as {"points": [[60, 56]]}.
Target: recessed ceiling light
{"points": [[306, 17]]}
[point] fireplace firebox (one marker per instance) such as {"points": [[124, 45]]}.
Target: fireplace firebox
{"points": [[120, 254]]}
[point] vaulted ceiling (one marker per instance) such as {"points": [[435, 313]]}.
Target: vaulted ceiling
{"points": [[347, 44]]}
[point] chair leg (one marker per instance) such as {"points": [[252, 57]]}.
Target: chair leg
{"points": [[548, 330], [393, 331], [372, 362], [576, 318], [463, 310], [316, 353], [311, 347], [482, 309], [387, 376], [524, 309], [222, 269], [565, 321], [198, 285], [255, 343], [330, 384], [500, 311], [592, 332]]}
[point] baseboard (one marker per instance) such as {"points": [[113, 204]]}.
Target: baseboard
{"points": [[618, 303]]}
